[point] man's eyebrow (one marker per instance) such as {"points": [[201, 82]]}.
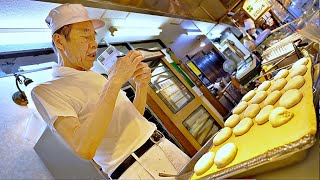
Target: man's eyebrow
{"points": [[88, 30]]}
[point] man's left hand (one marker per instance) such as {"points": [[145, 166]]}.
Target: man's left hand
{"points": [[142, 75]]}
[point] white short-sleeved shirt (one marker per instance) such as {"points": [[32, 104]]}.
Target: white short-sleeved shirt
{"points": [[75, 93]]}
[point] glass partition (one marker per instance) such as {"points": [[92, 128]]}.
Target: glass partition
{"points": [[201, 125], [169, 88]]}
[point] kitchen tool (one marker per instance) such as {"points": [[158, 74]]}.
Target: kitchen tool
{"points": [[109, 56]]}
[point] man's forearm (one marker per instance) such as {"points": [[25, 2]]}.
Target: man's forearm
{"points": [[89, 135], [141, 98]]}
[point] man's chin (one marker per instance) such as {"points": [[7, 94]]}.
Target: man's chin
{"points": [[88, 66]]}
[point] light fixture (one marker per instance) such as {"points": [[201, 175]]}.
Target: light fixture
{"points": [[134, 31], [20, 97], [12, 36], [202, 44], [192, 32]]}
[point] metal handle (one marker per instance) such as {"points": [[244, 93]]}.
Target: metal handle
{"points": [[167, 175], [182, 176]]}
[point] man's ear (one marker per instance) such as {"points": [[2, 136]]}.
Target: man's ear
{"points": [[58, 41]]}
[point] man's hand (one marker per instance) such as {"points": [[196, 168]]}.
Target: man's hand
{"points": [[125, 66], [142, 75]]}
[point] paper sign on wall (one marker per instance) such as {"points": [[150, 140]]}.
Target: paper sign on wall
{"points": [[255, 8]]}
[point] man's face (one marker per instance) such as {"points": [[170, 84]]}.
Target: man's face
{"points": [[81, 48]]}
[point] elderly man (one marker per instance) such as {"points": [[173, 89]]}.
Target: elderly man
{"points": [[91, 113], [259, 37]]}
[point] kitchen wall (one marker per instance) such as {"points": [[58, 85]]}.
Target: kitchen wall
{"points": [[190, 45], [175, 37]]}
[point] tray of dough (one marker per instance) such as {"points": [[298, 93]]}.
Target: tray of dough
{"points": [[271, 127]]}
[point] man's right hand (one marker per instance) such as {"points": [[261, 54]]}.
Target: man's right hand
{"points": [[125, 66]]}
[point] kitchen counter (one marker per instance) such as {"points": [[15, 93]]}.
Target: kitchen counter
{"points": [[18, 159]]}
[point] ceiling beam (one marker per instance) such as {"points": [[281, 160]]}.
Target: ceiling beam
{"points": [[176, 9]]}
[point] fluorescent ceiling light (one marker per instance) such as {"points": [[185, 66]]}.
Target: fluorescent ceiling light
{"points": [[19, 30], [24, 36], [202, 44], [134, 31], [193, 32]]}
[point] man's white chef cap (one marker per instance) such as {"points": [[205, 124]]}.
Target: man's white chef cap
{"points": [[248, 24], [70, 14]]}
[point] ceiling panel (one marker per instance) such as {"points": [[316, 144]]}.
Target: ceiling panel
{"points": [[205, 27], [183, 9], [214, 8], [24, 13], [112, 14], [95, 12], [30, 14], [144, 20]]}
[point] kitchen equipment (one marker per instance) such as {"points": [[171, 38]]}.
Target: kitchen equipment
{"points": [[109, 56], [264, 147], [280, 49], [248, 69], [229, 66], [273, 54]]}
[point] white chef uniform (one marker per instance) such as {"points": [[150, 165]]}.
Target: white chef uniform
{"points": [[75, 93]]}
